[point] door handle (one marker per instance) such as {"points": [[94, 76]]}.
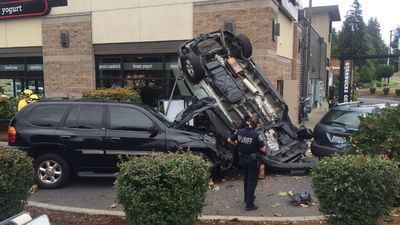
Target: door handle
{"points": [[65, 137], [114, 138]]}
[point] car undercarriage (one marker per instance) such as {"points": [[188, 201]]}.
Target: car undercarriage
{"points": [[218, 65]]}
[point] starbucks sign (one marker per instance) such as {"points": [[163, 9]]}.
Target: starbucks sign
{"points": [[23, 8]]}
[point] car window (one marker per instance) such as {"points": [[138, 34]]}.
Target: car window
{"points": [[124, 118], [85, 117], [348, 118], [47, 115]]}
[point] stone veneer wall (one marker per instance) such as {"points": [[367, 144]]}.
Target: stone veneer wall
{"points": [[68, 71], [254, 19]]}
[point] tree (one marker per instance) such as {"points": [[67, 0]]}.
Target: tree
{"points": [[335, 44], [377, 43], [353, 37], [363, 75], [384, 71]]}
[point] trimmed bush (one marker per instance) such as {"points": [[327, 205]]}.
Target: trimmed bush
{"points": [[8, 107], [16, 179], [163, 189], [386, 90], [355, 190], [372, 90], [378, 134], [120, 94], [378, 84], [397, 92]]}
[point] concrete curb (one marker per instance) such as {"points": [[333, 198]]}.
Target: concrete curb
{"points": [[203, 217]]}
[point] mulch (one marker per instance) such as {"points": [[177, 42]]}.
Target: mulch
{"points": [[65, 218]]}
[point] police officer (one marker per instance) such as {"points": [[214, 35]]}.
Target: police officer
{"points": [[249, 143]]}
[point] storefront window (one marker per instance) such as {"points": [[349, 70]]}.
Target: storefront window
{"points": [[153, 75], [18, 74]]}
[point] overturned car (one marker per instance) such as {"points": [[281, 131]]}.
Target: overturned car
{"points": [[218, 65]]}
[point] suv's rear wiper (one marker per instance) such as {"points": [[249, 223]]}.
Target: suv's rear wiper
{"points": [[336, 122]]}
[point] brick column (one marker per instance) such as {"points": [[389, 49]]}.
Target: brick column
{"points": [[68, 71]]}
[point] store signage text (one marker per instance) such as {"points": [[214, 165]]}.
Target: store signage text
{"points": [[12, 67], [34, 67], [23, 8], [143, 66], [347, 82], [109, 66]]}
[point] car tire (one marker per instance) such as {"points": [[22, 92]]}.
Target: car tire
{"points": [[191, 67], [245, 45], [51, 171]]}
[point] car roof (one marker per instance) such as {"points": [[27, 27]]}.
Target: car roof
{"points": [[361, 107], [112, 101]]}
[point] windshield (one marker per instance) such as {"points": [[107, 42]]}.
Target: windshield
{"points": [[342, 117], [167, 122]]}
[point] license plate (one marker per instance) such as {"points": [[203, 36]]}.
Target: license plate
{"points": [[338, 139]]}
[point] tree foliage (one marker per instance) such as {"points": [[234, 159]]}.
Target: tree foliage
{"points": [[384, 71]]}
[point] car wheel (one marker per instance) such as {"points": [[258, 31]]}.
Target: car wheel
{"points": [[51, 171], [245, 45], [191, 66]]}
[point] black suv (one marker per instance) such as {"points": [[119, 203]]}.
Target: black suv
{"points": [[68, 137], [332, 132]]}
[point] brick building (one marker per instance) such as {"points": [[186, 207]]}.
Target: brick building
{"points": [[78, 45]]}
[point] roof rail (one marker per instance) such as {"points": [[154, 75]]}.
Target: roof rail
{"points": [[348, 103]]}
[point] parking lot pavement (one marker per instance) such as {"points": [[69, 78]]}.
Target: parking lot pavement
{"points": [[225, 199]]}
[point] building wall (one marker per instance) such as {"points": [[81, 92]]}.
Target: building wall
{"points": [[254, 19], [285, 39], [68, 71], [320, 22], [21, 32]]}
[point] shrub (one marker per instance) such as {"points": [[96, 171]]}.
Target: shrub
{"points": [[355, 190], [378, 84], [397, 92], [8, 107], [372, 90], [378, 134], [386, 90], [16, 178], [163, 189], [121, 94]]}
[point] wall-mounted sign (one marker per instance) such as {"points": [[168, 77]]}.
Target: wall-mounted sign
{"points": [[345, 81], [23, 8], [110, 66], [12, 67], [34, 67], [143, 66]]}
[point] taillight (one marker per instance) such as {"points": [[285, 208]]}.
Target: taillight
{"points": [[12, 134]]}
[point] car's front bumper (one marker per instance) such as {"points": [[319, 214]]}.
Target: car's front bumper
{"points": [[323, 151]]}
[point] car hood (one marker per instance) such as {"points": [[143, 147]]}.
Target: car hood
{"points": [[193, 110]]}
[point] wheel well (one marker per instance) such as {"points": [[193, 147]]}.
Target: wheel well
{"points": [[38, 151]]}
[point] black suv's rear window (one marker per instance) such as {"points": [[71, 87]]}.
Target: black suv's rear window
{"points": [[47, 115], [343, 117]]}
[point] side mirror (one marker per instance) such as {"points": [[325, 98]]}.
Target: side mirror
{"points": [[153, 130]]}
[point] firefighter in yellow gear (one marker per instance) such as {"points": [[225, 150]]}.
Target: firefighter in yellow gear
{"points": [[33, 98], [25, 98]]}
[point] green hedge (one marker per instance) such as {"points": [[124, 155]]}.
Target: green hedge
{"points": [[16, 179], [386, 90], [372, 90], [378, 84], [378, 134], [163, 189], [122, 94], [8, 107], [355, 190]]}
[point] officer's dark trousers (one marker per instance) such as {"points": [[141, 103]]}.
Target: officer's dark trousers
{"points": [[250, 168]]}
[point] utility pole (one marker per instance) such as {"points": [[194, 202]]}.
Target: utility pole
{"points": [[390, 47], [309, 29]]}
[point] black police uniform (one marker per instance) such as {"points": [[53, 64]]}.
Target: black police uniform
{"points": [[249, 143]]}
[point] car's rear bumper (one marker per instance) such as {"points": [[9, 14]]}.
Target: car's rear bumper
{"points": [[323, 151]]}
